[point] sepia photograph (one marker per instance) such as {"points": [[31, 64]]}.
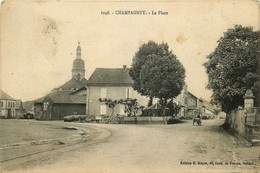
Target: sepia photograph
{"points": [[129, 86]]}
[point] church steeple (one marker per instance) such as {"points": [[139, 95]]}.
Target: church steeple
{"points": [[78, 51], [78, 70]]}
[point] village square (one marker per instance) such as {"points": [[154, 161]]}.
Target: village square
{"points": [[93, 116], [151, 103]]}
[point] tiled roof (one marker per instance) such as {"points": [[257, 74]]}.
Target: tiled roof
{"points": [[74, 83], [5, 96], [63, 97], [84, 81], [110, 77]]}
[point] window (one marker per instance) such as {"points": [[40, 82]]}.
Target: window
{"points": [[1, 104], [103, 93], [103, 109], [127, 93]]}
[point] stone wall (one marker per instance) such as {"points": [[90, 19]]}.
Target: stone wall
{"points": [[237, 121], [146, 120]]}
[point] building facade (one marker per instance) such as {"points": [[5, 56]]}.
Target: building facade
{"points": [[208, 110], [58, 104], [191, 105], [7, 105], [182, 100], [114, 84]]}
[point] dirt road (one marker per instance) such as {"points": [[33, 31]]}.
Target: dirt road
{"points": [[128, 148]]}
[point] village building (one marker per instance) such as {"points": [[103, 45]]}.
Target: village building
{"points": [[58, 104], [208, 110], [68, 99], [114, 84], [194, 105], [10, 107], [191, 105], [7, 105], [182, 100]]}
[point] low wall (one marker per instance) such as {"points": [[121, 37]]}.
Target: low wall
{"points": [[145, 120], [237, 121], [129, 120]]}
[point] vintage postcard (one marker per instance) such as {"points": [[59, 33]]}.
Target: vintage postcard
{"points": [[129, 86]]}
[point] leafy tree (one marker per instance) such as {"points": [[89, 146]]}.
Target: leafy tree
{"points": [[232, 67], [173, 108], [162, 77], [131, 106], [140, 58]]}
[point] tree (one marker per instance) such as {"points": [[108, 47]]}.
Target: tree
{"points": [[232, 67], [131, 107], [141, 58], [161, 77], [157, 72]]}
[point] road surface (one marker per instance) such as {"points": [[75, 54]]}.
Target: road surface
{"points": [[28, 145]]}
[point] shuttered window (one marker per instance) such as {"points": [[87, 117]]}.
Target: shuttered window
{"points": [[103, 109], [127, 93]]}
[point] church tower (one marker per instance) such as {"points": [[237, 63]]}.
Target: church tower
{"points": [[78, 70]]}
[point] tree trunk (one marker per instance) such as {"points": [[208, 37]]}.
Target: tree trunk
{"points": [[163, 104], [150, 103], [112, 112]]}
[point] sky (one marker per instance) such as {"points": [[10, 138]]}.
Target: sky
{"points": [[39, 38]]}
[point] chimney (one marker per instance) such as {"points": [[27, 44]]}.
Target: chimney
{"points": [[124, 67]]}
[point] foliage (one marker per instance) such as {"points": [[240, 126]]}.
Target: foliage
{"points": [[131, 107], [232, 67], [112, 120], [111, 103], [157, 72], [163, 77], [140, 58], [173, 108]]}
